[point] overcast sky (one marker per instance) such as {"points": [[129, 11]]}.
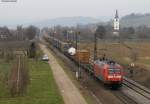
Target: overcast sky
{"points": [[34, 10]]}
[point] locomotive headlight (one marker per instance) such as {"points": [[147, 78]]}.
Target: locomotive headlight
{"points": [[110, 76], [72, 51], [119, 76]]}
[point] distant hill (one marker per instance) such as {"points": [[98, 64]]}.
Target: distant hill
{"points": [[126, 21], [67, 21], [135, 20]]}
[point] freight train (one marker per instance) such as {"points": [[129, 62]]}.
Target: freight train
{"points": [[107, 71]]}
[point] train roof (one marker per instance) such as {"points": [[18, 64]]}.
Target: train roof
{"points": [[106, 62], [63, 42], [82, 50]]}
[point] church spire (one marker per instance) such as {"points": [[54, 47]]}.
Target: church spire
{"points": [[116, 16], [116, 21]]}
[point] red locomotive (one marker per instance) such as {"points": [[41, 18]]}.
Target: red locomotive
{"points": [[109, 72]]}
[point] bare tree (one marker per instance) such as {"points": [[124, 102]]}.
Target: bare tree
{"points": [[100, 31], [31, 32]]}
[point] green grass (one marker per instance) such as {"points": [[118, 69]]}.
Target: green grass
{"points": [[42, 88], [144, 61], [4, 71]]}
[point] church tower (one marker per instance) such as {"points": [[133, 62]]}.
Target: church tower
{"points": [[116, 22]]}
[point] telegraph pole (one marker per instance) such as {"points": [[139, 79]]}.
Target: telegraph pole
{"points": [[67, 37], [76, 44], [78, 72], [95, 46]]}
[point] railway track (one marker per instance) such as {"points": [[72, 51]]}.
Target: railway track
{"points": [[128, 85], [98, 91], [125, 99], [137, 87], [139, 93]]}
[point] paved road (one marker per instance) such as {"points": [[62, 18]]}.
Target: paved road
{"points": [[68, 90]]}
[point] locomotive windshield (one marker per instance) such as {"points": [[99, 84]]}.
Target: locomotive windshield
{"points": [[114, 71]]}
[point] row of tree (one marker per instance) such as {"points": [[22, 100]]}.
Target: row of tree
{"points": [[88, 31], [21, 33]]}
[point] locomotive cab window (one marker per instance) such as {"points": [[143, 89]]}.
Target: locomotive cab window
{"points": [[114, 71]]}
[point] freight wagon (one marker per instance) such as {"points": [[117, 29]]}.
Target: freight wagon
{"points": [[60, 45], [82, 56]]}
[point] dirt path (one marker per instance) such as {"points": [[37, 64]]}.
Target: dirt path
{"points": [[68, 90]]}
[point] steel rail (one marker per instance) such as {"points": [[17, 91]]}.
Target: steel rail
{"points": [[137, 87]]}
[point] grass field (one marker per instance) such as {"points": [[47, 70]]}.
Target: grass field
{"points": [[4, 71], [120, 52], [41, 90]]}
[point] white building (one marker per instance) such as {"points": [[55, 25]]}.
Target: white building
{"points": [[116, 22], [116, 25]]}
